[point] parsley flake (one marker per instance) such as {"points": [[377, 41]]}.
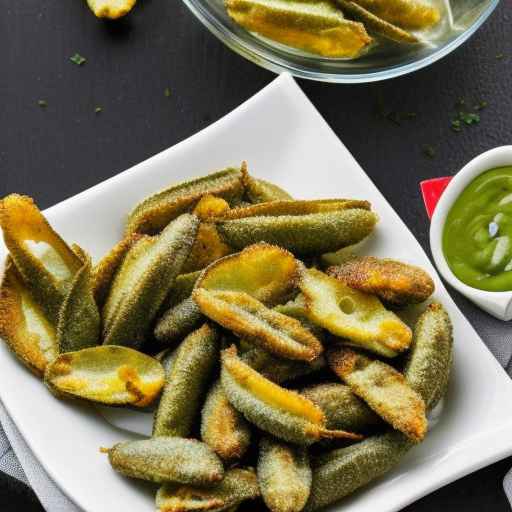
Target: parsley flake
{"points": [[167, 92], [429, 151], [42, 103], [469, 117], [78, 59], [98, 110], [456, 127]]}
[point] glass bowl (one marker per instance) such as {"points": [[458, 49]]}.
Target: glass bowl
{"points": [[460, 20]]}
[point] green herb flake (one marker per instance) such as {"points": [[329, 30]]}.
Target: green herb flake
{"points": [[480, 105], [469, 118], [78, 59], [456, 126], [42, 103], [167, 92], [98, 110], [500, 56], [429, 151]]}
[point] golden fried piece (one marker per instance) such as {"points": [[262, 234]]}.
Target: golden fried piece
{"points": [[303, 227], [357, 317], [106, 374], [392, 281], [210, 206], [178, 321], [383, 388], [261, 191], [111, 9], [23, 324], [313, 27], [156, 211], [409, 14], [46, 263]]}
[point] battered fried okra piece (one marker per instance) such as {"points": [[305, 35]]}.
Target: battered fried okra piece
{"points": [[357, 317], [156, 211], [186, 382], [303, 227], [383, 388], [237, 485], [167, 459], [429, 362], [313, 27], [261, 191], [276, 410], [143, 281], [341, 407], [111, 9], [392, 281], [223, 428], [106, 374], [23, 324], [343, 471], [45, 262], [178, 321], [79, 319], [253, 321], [284, 475]]}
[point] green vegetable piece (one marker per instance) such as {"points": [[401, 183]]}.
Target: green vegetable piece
{"points": [[79, 318], [343, 410], [343, 471], [45, 262], [383, 388], [183, 287], [276, 410], [178, 321], [167, 358], [238, 485], [223, 428], [429, 362], [167, 459], [261, 191], [23, 324], [186, 383], [156, 211], [284, 475], [303, 227], [106, 374], [143, 281], [78, 59]]}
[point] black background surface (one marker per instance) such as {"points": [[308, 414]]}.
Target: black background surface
{"points": [[54, 152]]}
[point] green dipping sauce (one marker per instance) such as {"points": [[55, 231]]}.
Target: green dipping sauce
{"points": [[477, 236]]}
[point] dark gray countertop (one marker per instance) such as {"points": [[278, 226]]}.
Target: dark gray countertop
{"points": [[54, 152]]}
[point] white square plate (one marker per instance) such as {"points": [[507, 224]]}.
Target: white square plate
{"points": [[285, 140]]}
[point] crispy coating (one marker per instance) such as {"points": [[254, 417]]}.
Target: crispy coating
{"points": [[111, 9], [343, 471], [143, 281], [302, 227], [223, 428], [182, 288], [167, 459], [45, 262], [383, 388], [186, 383], [252, 320], [261, 191], [392, 281], [430, 359], [357, 317], [210, 206], [156, 211], [284, 475], [342, 408], [178, 321], [106, 374], [23, 324], [79, 322], [409, 14], [276, 410], [237, 485]]}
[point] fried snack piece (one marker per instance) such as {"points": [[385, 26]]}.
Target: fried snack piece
{"points": [[303, 227], [23, 324], [45, 262], [376, 24], [237, 485], [276, 410], [383, 388], [156, 211], [250, 319], [341, 407], [261, 191], [107, 375], [429, 361], [284, 475], [167, 459], [143, 281], [183, 287], [223, 428], [105, 270], [79, 322], [341, 472], [409, 14], [392, 281], [186, 383], [111, 9], [358, 317], [178, 321], [313, 27]]}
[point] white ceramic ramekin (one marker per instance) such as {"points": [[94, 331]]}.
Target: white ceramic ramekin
{"points": [[498, 304]]}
